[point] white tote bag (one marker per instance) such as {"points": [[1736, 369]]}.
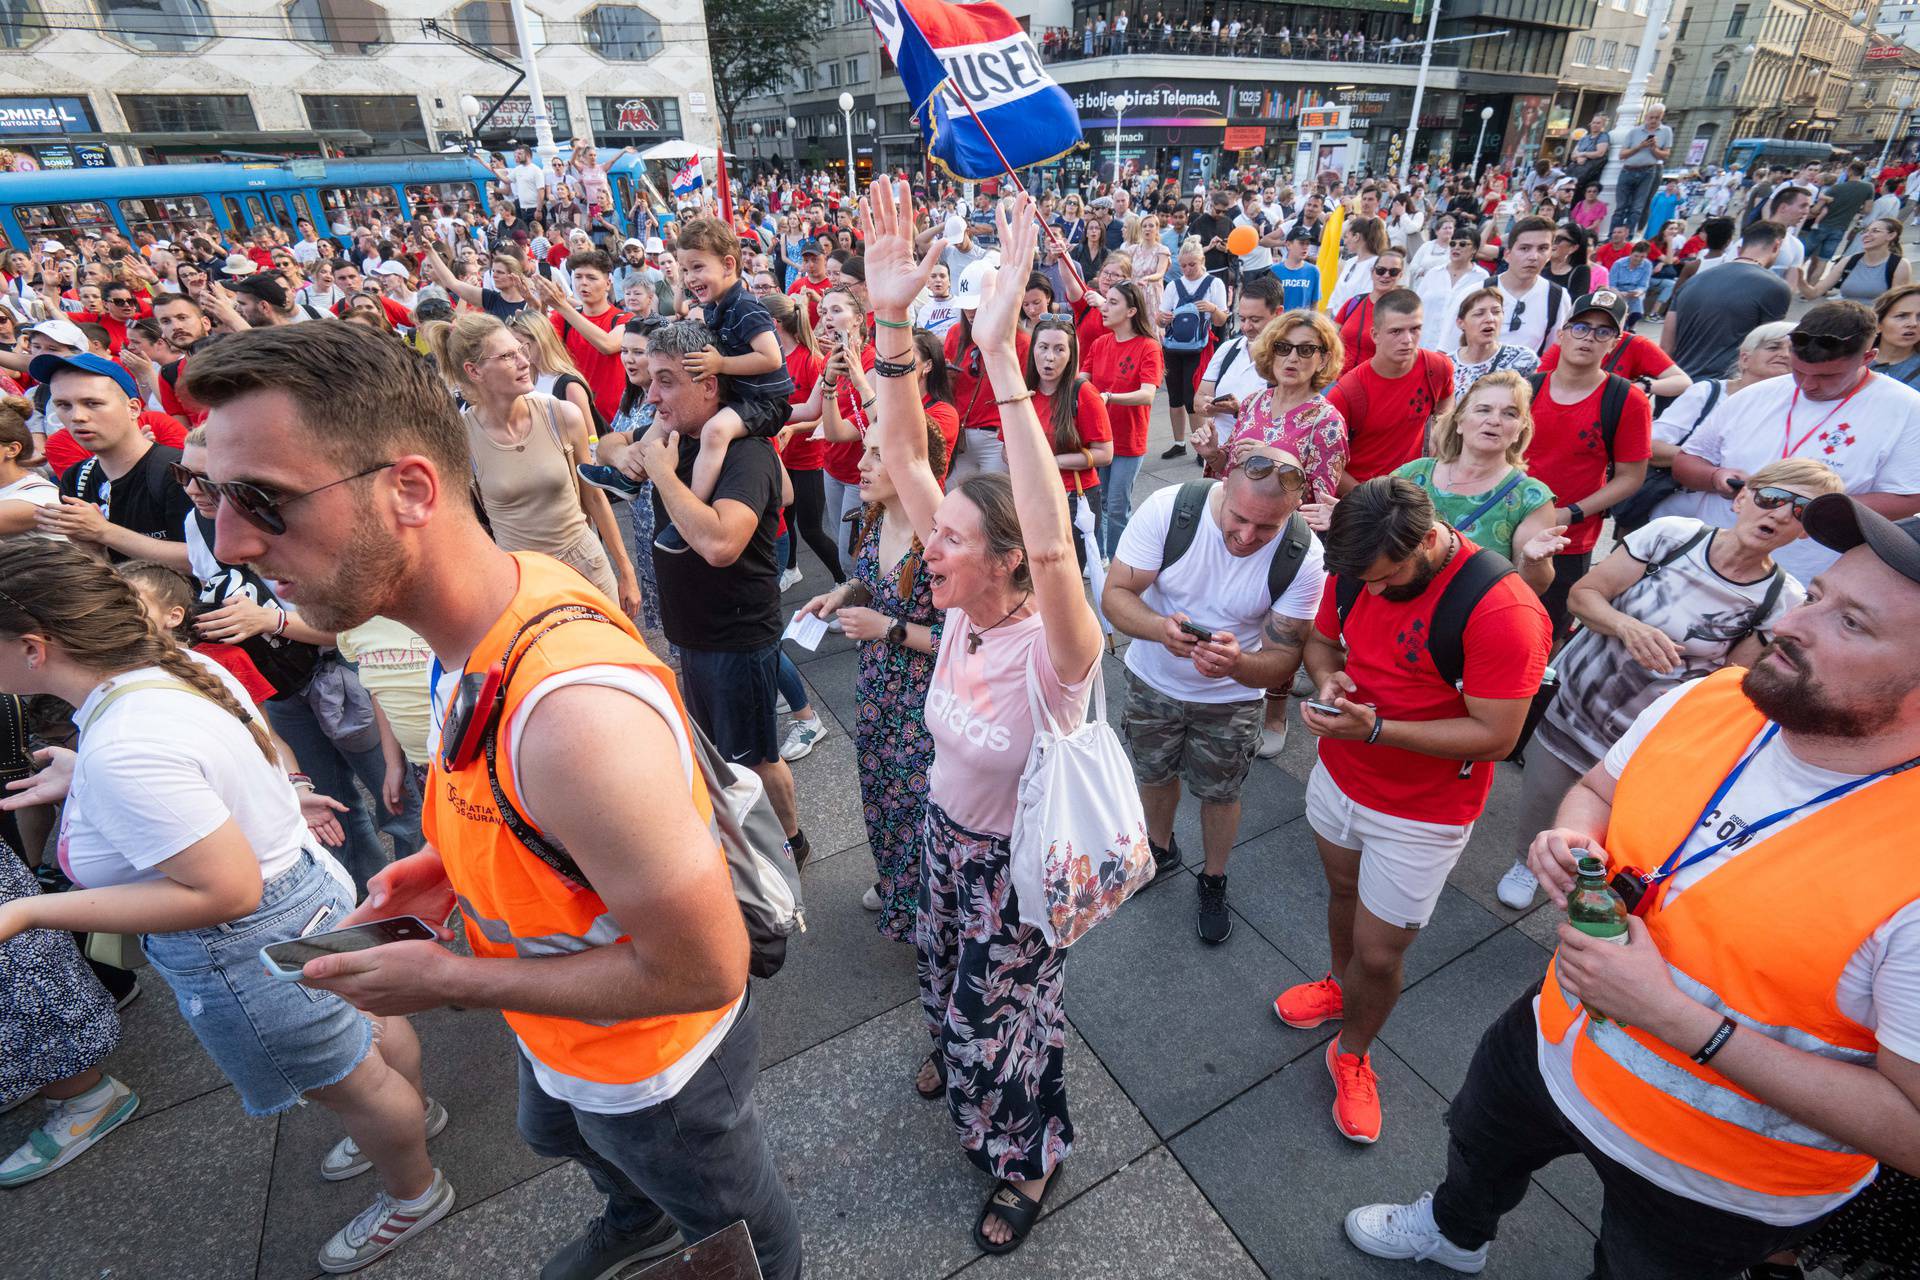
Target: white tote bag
{"points": [[1079, 845]]}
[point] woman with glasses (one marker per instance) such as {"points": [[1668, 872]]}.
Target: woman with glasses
{"points": [[1355, 316], [1300, 355], [182, 826], [1898, 311], [1676, 600], [1363, 241], [525, 447], [1479, 323], [554, 372]]}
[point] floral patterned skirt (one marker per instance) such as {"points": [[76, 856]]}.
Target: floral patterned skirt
{"points": [[56, 1020], [994, 996]]}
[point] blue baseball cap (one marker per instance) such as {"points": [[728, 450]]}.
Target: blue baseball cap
{"points": [[43, 369]]}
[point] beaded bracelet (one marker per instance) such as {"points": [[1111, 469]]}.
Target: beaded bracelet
{"points": [[1024, 395]]}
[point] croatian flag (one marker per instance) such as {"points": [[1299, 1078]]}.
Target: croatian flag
{"points": [[688, 180], [978, 51]]}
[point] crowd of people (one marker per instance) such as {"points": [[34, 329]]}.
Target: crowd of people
{"points": [[296, 529]]}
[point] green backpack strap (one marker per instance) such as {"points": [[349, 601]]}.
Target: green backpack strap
{"points": [[1188, 505]]}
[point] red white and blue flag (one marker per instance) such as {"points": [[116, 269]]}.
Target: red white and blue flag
{"points": [[689, 179], [979, 52]]}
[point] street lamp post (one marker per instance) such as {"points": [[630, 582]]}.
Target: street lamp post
{"points": [[1901, 108], [537, 103], [1627, 114], [1486, 114], [470, 110], [1119, 124], [1420, 88], [793, 143], [846, 109]]}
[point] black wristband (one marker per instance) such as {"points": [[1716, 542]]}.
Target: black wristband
{"points": [[892, 369], [1575, 513], [1379, 723], [1716, 1042]]}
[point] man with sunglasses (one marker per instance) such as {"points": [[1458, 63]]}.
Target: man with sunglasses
{"points": [[1234, 560], [1833, 408], [342, 471], [122, 499]]}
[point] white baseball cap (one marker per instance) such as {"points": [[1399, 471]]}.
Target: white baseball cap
{"points": [[656, 245], [966, 294], [631, 243], [52, 246], [390, 268], [955, 228], [64, 332]]}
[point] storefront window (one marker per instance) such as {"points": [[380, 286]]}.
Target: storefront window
{"points": [[187, 112], [393, 121]]}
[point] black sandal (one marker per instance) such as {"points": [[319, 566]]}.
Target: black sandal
{"points": [[1020, 1215], [940, 1069]]}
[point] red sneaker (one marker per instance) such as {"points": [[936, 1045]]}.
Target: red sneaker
{"points": [[1311, 1003], [1356, 1094]]}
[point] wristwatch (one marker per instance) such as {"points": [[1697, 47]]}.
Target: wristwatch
{"points": [[1574, 514], [897, 633]]}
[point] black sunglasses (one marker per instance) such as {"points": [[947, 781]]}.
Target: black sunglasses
{"points": [[1519, 309], [184, 477], [1820, 347], [1773, 497], [1386, 273], [261, 509], [1307, 349], [1260, 466]]}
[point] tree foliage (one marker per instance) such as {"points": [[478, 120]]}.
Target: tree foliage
{"points": [[754, 46]]}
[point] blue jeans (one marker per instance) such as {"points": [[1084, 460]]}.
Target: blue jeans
{"points": [[700, 1157], [1116, 489], [333, 772], [1633, 194]]}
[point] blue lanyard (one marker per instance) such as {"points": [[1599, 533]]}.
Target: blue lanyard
{"points": [[1668, 869]]}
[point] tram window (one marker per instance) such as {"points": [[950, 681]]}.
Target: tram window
{"points": [[236, 221], [425, 200], [624, 185], [66, 222], [348, 206], [167, 217], [256, 211]]}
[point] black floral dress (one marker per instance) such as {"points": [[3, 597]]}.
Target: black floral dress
{"points": [[891, 741], [56, 1020]]}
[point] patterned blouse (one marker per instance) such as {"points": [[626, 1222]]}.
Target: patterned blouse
{"points": [[1313, 432], [1506, 355]]}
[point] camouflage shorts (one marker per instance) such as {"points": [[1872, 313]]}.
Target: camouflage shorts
{"points": [[1208, 744]]}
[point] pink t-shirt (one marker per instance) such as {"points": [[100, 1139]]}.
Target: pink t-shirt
{"points": [[982, 722]]}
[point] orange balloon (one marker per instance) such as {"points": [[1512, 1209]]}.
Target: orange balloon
{"points": [[1242, 241]]}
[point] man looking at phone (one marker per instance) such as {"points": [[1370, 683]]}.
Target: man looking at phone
{"points": [[342, 470], [1218, 583], [1406, 755], [1731, 1085]]}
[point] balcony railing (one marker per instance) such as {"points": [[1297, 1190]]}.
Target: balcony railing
{"points": [[1063, 44]]}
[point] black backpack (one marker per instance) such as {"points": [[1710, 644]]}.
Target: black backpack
{"points": [[1188, 505], [1446, 637], [1556, 296], [1635, 511]]}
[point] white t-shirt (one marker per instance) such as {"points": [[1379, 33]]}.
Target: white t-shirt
{"points": [[1879, 987], [305, 252], [1792, 254], [528, 181], [1440, 296], [161, 770], [1208, 288], [1215, 588], [593, 1095], [1531, 312], [36, 491], [1873, 442], [1677, 424], [1241, 379], [1355, 278], [1261, 258], [937, 315]]}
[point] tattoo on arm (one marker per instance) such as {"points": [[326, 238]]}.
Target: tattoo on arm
{"points": [[1284, 633]]}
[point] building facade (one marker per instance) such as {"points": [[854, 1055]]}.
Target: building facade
{"points": [[1199, 101], [131, 81], [1599, 62]]}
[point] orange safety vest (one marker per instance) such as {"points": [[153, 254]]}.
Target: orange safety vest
{"points": [[1762, 940], [516, 905]]}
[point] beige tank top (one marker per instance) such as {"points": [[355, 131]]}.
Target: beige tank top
{"points": [[531, 494]]}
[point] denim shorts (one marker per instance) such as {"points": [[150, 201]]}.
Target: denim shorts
{"points": [[274, 1040]]}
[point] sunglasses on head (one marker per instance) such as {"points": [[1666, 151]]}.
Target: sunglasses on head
{"points": [[1260, 466], [1772, 497], [260, 508], [1310, 350], [1820, 347]]}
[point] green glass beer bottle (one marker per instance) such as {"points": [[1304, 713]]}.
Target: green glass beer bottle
{"points": [[1594, 908]]}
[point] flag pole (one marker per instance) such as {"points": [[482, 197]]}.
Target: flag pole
{"points": [[1053, 236]]}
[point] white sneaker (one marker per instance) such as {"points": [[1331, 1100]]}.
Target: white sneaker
{"points": [[384, 1226], [1272, 742], [871, 898], [345, 1160], [1516, 888], [790, 579], [1407, 1232], [801, 736], [71, 1128]]}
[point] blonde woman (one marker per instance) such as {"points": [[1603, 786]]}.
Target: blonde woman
{"points": [[1150, 257], [1479, 483], [525, 445], [554, 372]]}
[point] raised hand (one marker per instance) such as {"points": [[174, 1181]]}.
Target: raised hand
{"points": [[998, 316], [894, 276]]}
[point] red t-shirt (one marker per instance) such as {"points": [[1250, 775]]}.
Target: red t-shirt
{"points": [[1387, 417], [604, 373], [1609, 253], [843, 456], [1637, 357], [116, 329], [1090, 418], [802, 453], [1569, 451], [173, 402], [235, 660], [810, 289], [972, 394], [1088, 323], [1356, 331], [1119, 368], [1505, 647], [63, 450], [947, 418]]}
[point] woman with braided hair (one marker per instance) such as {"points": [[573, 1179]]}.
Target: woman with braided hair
{"points": [[181, 826]]}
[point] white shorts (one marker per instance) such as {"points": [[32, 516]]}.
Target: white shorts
{"points": [[1404, 864]]}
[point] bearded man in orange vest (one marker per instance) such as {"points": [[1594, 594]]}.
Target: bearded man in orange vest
{"points": [[1759, 1051], [617, 954]]}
